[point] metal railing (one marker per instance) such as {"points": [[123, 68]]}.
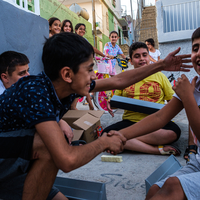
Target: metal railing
{"points": [[24, 5], [181, 16]]}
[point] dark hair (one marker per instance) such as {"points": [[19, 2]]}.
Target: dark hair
{"points": [[113, 32], [151, 41], [65, 49], [63, 24], [9, 60], [196, 34], [78, 25], [52, 20], [135, 46]]}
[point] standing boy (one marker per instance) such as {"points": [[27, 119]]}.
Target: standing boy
{"points": [[111, 49], [32, 145], [183, 184]]}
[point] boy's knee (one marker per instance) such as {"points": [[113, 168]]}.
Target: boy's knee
{"points": [[171, 185], [173, 135], [39, 150], [152, 191]]}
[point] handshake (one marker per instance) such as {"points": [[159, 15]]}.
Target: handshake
{"points": [[113, 142]]}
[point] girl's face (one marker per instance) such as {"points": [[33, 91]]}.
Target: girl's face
{"points": [[55, 28], [150, 47], [67, 27], [113, 38], [81, 30]]}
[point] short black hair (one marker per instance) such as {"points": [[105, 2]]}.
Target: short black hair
{"points": [[151, 41], [113, 32], [196, 34], [9, 60], [65, 49], [135, 46], [78, 25], [63, 24]]}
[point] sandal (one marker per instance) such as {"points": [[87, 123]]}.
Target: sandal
{"points": [[175, 152], [189, 149]]}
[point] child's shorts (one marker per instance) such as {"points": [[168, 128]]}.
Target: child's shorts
{"points": [[15, 154], [189, 177]]}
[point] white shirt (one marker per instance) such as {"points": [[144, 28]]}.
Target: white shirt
{"points": [[154, 55], [2, 88]]}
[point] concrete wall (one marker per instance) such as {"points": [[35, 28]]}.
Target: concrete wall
{"points": [[170, 41], [186, 47], [104, 11], [181, 19], [23, 32]]}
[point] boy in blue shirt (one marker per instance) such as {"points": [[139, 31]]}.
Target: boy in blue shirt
{"points": [[32, 145]]}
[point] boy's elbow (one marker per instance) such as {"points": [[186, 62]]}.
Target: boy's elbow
{"points": [[67, 164]]}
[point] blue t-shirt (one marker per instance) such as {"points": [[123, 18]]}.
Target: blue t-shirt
{"points": [[30, 101]]}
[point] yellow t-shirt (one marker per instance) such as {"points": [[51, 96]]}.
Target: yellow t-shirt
{"points": [[155, 88]]}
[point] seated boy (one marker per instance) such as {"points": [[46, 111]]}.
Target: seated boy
{"points": [[13, 66], [32, 145], [155, 88], [183, 184]]}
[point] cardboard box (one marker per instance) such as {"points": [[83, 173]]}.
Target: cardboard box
{"points": [[135, 105], [84, 122]]}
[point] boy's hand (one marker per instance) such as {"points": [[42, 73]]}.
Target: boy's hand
{"points": [[109, 108], [183, 87], [116, 142], [66, 130], [175, 63]]}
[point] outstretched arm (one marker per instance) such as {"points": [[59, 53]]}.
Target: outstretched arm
{"points": [[98, 52], [68, 157], [152, 122], [127, 78]]}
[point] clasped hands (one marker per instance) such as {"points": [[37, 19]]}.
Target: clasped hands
{"points": [[116, 142]]}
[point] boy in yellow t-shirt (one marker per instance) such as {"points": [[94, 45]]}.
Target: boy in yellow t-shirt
{"points": [[155, 88]]}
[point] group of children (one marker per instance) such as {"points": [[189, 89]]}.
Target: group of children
{"points": [[32, 142]]}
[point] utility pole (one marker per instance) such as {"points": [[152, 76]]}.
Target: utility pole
{"points": [[133, 35], [94, 24]]}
